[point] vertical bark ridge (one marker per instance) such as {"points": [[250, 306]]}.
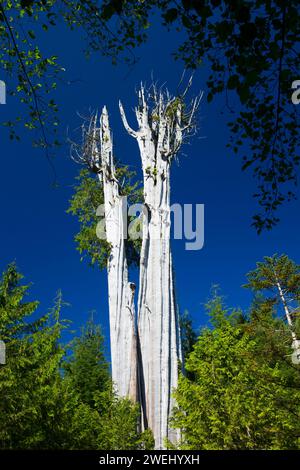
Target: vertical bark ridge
{"points": [[156, 320], [122, 315], [162, 126]]}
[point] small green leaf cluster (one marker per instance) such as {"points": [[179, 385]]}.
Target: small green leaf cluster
{"points": [[88, 195]]}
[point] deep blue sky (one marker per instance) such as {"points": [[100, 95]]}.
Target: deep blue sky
{"points": [[38, 234]]}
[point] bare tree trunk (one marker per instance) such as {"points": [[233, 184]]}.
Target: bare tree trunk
{"points": [[157, 321], [159, 137], [97, 154], [296, 342], [145, 357], [120, 290]]}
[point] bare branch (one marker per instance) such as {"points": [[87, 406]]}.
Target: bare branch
{"points": [[188, 86], [194, 107], [87, 152], [125, 122], [168, 119], [37, 109]]}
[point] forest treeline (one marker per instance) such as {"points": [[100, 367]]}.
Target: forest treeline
{"points": [[240, 388]]}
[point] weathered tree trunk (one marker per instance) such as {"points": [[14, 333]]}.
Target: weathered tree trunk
{"points": [[159, 137], [2, 352], [145, 356], [158, 321], [120, 290], [295, 342]]}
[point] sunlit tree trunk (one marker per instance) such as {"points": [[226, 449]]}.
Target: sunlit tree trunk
{"points": [[120, 290], [157, 321], [159, 137], [296, 342], [97, 153], [145, 352]]}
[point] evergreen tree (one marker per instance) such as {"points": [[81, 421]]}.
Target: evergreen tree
{"points": [[34, 407], [43, 408], [87, 370], [245, 392], [188, 334], [88, 196], [278, 279], [102, 420]]}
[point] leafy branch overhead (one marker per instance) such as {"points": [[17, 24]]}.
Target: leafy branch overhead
{"points": [[31, 76], [251, 49]]}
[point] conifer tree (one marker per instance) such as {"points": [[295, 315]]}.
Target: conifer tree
{"points": [[278, 278], [34, 407], [47, 401], [244, 391], [87, 369]]}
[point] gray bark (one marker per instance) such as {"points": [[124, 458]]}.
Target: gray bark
{"points": [[160, 135], [145, 357], [295, 342], [120, 290], [97, 154]]}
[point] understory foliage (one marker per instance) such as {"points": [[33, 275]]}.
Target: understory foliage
{"points": [[87, 197], [51, 397], [241, 390]]}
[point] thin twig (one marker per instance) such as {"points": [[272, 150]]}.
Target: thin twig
{"points": [[31, 86]]}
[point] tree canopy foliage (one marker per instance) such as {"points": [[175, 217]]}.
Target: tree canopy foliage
{"points": [[251, 49]]}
